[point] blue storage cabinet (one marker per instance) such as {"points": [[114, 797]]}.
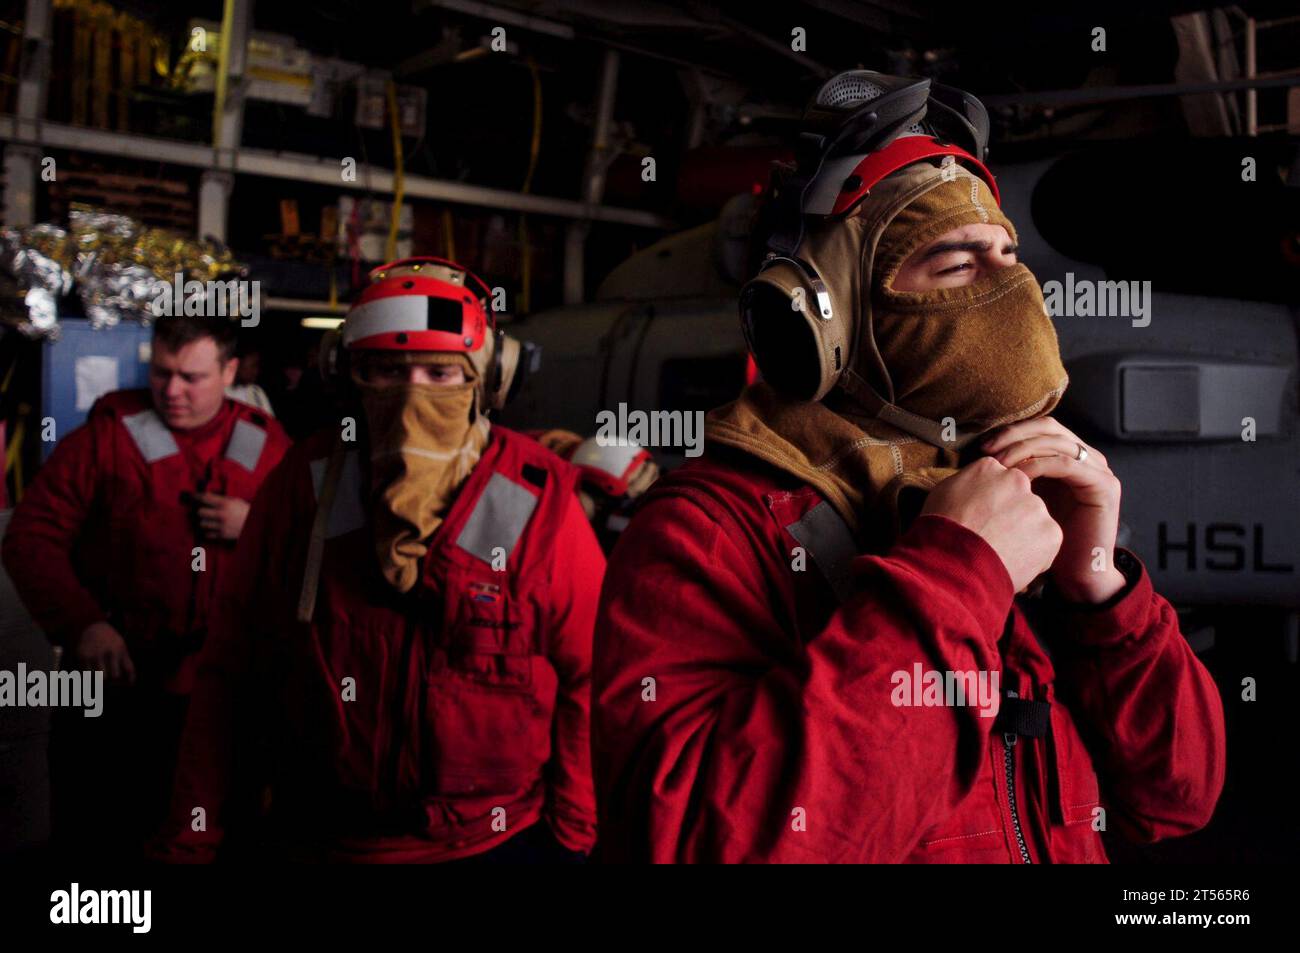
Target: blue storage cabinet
{"points": [[84, 363]]}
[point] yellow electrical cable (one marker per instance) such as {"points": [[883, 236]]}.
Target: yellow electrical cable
{"points": [[534, 148], [223, 64], [13, 453], [161, 57], [448, 235], [398, 177], [13, 456]]}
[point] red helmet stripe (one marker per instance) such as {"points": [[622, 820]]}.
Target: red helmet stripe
{"points": [[875, 166]]}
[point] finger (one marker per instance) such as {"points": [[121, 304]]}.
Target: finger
{"points": [[1068, 472], [128, 667], [1014, 433], [1043, 446], [110, 666], [209, 499], [981, 465], [1027, 429], [1076, 441]]}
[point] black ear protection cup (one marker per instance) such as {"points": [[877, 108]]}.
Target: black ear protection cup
{"points": [[513, 362], [789, 324], [784, 348], [530, 364]]}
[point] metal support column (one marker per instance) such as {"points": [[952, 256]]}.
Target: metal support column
{"points": [[227, 120], [214, 202], [21, 162], [598, 160]]}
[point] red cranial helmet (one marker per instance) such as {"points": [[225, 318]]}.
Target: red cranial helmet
{"points": [[420, 304], [432, 304]]}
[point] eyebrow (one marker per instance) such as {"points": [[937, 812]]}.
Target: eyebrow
{"points": [[943, 248]]}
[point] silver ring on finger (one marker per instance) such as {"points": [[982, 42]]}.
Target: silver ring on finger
{"points": [[1082, 454]]}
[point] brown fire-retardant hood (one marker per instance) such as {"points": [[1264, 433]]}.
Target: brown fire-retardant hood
{"points": [[424, 440], [862, 381]]}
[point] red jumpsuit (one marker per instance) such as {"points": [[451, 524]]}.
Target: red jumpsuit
{"points": [[107, 533], [745, 711], [427, 726]]}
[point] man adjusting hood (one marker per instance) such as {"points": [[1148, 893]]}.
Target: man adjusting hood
{"points": [[833, 604]]}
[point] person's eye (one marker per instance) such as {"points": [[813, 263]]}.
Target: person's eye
{"points": [[957, 268]]}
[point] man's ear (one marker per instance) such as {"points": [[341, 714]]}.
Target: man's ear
{"points": [[228, 371]]}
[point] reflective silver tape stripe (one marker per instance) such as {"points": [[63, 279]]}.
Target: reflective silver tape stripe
{"points": [[151, 436], [499, 518], [346, 511], [614, 460], [246, 443], [386, 316], [828, 540]]}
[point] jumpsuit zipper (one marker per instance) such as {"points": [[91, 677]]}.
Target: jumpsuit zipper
{"points": [[1009, 739], [396, 736]]}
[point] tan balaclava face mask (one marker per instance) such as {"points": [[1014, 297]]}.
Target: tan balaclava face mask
{"points": [[424, 441], [920, 374], [969, 358]]}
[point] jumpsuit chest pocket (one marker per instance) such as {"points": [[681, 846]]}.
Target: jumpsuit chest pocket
{"points": [[1076, 792], [1074, 799], [488, 630]]}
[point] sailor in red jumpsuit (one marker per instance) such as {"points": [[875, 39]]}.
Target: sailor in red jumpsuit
{"points": [[118, 550], [889, 510], [401, 673]]}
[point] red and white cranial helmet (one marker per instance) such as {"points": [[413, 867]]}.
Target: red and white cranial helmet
{"points": [[434, 305], [420, 304]]}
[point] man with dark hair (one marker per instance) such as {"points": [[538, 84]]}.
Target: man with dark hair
{"points": [[118, 550], [174, 333], [885, 616]]}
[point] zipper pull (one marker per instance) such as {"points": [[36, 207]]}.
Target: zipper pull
{"points": [[1010, 738]]}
